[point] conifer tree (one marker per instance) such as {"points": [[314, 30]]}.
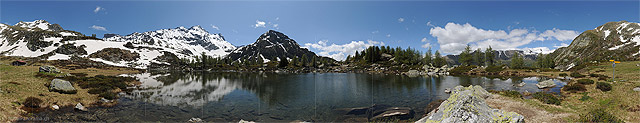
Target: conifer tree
{"points": [[465, 56], [488, 57]]}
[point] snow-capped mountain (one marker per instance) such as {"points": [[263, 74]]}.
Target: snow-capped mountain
{"points": [[613, 40], [271, 46], [187, 42], [502, 55], [43, 40]]}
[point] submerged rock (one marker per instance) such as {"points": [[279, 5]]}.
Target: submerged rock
{"points": [[62, 86], [378, 112], [546, 84], [49, 69], [521, 84], [467, 104], [447, 90]]}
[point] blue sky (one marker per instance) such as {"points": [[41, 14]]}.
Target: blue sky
{"points": [[338, 28]]}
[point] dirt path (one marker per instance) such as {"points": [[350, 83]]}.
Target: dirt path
{"points": [[532, 114]]}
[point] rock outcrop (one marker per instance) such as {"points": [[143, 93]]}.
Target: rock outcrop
{"points": [[115, 55], [380, 112], [467, 104], [49, 69], [62, 86], [546, 84]]}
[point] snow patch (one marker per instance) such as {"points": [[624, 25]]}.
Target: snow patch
{"points": [[606, 34]]}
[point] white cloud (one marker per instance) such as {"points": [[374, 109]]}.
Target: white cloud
{"points": [[561, 35], [277, 18], [215, 27], [98, 28], [561, 45], [98, 9], [400, 20], [453, 37], [430, 24], [340, 52], [259, 24], [374, 32], [275, 25], [424, 40], [388, 35], [427, 45]]}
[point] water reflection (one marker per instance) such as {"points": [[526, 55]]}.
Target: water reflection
{"points": [[220, 96]]}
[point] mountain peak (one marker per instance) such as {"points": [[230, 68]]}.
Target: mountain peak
{"points": [[41, 24]]}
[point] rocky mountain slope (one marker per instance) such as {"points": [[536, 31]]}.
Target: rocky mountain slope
{"points": [[613, 40], [138, 50], [271, 46], [503, 55]]}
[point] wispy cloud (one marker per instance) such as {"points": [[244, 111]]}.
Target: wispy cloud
{"points": [[453, 37], [98, 9], [259, 24], [339, 52], [388, 35], [99, 28], [215, 27], [400, 20]]}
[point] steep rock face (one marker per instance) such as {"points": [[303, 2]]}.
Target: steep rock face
{"points": [[271, 46], [613, 40], [187, 42], [467, 105]]}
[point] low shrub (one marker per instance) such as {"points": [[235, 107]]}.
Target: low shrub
{"points": [[574, 88], [108, 95], [32, 102], [563, 74], [585, 97], [603, 86], [462, 69], [599, 116], [493, 69], [585, 81], [512, 93], [546, 98], [576, 75]]}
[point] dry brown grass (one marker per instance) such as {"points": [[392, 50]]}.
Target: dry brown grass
{"points": [[532, 114], [19, 82]]}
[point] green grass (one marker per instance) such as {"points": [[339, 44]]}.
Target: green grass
{"points": [[547, 98]]}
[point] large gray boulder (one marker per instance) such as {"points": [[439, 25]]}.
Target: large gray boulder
{"points": [[62, 86], [546, 84], [467, 105], [49, 69]]}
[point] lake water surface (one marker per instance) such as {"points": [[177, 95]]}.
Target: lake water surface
{"points": [[223, 96]]}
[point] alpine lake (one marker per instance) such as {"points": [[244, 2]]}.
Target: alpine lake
{"points": [[278, 97]]}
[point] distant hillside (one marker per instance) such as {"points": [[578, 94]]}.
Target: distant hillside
{"points": [[500, 55], [613, 40]]}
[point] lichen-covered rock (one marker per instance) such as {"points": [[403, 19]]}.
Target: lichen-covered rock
{"points": [[49, 69], [62, 86], [467, 105], [546, 84]]}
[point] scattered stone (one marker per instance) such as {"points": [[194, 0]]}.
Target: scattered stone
{"points": [[103, 100], [80, 107], [49, 69], [62, 86], [244, 121], [447, 90], [55, 107], [467, 104], [637, 89], [413, 73], [195, 120], [18, 63], [521, 84], [546, 84]]}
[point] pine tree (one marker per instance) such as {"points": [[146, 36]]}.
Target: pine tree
{"points": [[477, 57], [313, 62], [283, 63], [427, 57], [303, 60], [488, 57], [465, 56], [516, 61], [438, 61]]}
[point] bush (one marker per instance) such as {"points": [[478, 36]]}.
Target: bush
{"points": [[603, 86], [108, 95], [32, 102], [576, 75], [599, 115], [461, 69], [585, 81], [574, 88], [585, 97], [563, 74], [493, 69], [546, 98]]}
